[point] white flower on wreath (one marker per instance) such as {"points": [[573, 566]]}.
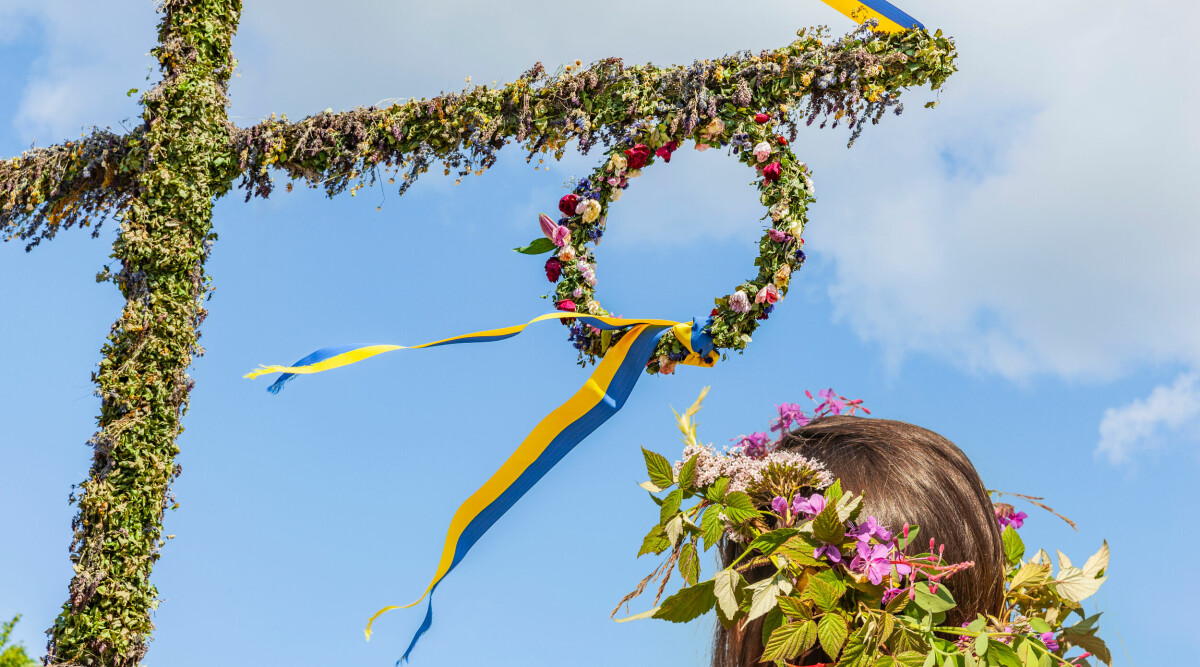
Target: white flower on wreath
{"points": [[739, 302], [578, 292], [617, 163], [808, 186], [616, 195], [594, 308], [567, 254], [795, 229], [778, 211], [762, 151], [591, 210]]}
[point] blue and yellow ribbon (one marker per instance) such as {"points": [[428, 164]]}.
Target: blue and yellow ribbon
{"points": [[890, 17], [557, 434]]}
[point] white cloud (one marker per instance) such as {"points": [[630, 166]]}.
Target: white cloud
{"points": [[1144, 423]]}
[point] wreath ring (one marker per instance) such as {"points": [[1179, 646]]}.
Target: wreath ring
{"points": [[785, 187]]}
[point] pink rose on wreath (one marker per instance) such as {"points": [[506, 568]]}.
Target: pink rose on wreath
{"points": [[665, 151], [567, 305], [772, 171], [567, 204], [768, 294], [637, 156], [553, 269], [557, 233], [739, 302], [778, 236], [761, 118]]}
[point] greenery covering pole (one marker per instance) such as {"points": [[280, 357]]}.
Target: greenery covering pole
{"points": [[161, 179], [183, 162]]}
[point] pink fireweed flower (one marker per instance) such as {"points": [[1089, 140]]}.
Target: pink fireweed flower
{"points": [[789, 413], [768, 294], [739, 302], [872, 528], [753, 445], [891, 593], [779, 236], [873, 560], [554, 231], [830, 401], [812, 506], [830, 550], [780, 506]]}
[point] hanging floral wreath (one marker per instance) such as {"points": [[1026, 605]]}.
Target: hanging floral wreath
{"points": [[786, 189]]}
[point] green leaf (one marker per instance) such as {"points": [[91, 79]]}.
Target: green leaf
{"points": [[670, 505], [832, 631], [659, 469], [131, 92], [771, 622], [910, 659], [1040, 625], [727, 585], [827, 527], [712, 527], [538, 246], [1002, 655], [767, 543], [689, 563], [824, 589], [790, 640], [716, 491], [655, 542], [1014, 546], [689, 603], [687, 473], [981, 644], [1030, 574], [650, 486], [855, 651], [930, 600], [674, 530], [739, 508], [834, 493], [765, 593], [799, 549], [794, 608]]}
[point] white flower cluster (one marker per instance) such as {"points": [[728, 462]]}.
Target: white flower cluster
{"points": [[741, 469]]}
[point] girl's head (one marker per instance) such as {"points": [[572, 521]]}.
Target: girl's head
{"points": [[906, 474]]}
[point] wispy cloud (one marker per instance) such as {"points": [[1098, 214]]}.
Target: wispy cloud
{"points": [[1168, 412]]}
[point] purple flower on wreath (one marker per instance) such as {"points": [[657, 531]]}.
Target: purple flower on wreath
{"points": [[830, 550], [779, 236], [801, 256], [813, 505], [754, 445], [585, 185], [779, 505], [1049, 640], [872, 528], [1015, 519]]}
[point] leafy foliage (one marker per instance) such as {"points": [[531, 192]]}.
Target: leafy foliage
{"points": [[842, 584]]}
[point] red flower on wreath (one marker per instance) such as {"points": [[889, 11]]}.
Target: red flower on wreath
{"points": [[567, 305], [771, 172], [761, 118], [637, 156], [665, 151], [567, 204], [553, 269]]}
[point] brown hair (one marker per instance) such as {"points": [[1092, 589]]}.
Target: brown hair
{"points": [[906, 474]]}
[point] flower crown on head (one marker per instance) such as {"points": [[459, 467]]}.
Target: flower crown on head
{"points": [[839, 583]]}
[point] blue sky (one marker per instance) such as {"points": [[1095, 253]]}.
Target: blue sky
{"points": [[1013, 269]]}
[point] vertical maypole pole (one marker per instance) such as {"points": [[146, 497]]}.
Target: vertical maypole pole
{"points": [[182, 161]]}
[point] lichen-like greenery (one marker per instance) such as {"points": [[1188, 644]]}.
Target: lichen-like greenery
{"points": [[160, 181]]}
